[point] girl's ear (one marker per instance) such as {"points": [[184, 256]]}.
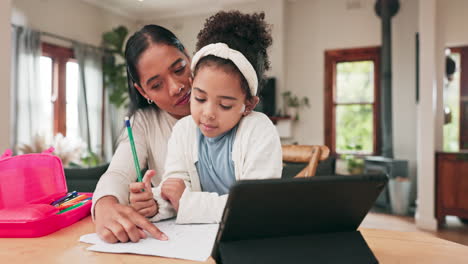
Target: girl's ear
{"points": [[250, 105], [140, 90]]}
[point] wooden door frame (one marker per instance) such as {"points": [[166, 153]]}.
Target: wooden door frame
{"points": [[332, 57]]}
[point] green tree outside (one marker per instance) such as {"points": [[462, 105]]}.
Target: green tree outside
{"points": [[354, 111]]}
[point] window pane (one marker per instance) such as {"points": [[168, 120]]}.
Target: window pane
{"points": [[72, 99], [452, 108], [354, 128], [45, 105], [355, 82]]}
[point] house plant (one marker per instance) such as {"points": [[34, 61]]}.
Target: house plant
{"points": [[292, 104], [354, 163], [114, 67]]}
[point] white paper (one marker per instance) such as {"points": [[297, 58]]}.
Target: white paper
{"points": [[192, 242]]}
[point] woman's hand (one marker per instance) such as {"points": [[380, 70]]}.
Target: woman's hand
{"points": [[120, 223], [143, 201], [171, 190]]}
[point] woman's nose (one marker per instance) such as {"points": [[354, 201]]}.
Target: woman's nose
{"points": [[175, 87]]}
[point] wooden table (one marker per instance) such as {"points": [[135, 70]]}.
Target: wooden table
{"points": [[63, 247], [413, 247]]}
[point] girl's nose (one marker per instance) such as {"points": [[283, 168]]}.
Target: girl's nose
{"points": [[208, 111]]}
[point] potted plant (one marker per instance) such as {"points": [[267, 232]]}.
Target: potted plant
{"points": [[292, 104], [354, 163], [114, 67]]}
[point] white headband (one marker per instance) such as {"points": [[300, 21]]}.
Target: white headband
{"points": [[222, 50]]}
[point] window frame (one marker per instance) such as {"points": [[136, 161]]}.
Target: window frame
{"points": [[463, 101], [60, 56], [332, 57]]}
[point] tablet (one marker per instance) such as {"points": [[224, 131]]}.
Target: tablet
{"points": [[261, 209]]}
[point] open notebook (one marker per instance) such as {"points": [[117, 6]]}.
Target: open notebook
{"points": [[192, 242]]}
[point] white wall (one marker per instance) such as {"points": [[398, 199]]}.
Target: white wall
{"points": [[404, 28], [425, 216], [73, 19], [311, 28], [185, 28], [5, 42], [454, 17]]}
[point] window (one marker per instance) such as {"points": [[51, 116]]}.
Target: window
{"points": [[72, 99], [45, 86], [456, 102], [59, 75], [352, 100]]}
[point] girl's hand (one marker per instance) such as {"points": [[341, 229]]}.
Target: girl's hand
{"points": [[143, 201], [172, 190]]}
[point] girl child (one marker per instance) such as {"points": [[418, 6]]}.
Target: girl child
{"points": [[223, 140]]}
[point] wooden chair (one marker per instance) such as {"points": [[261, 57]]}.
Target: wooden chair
{"points": [[305, 154]]}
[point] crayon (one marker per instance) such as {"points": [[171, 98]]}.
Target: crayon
{"points": [[71, 203], [67, 197], [73, 207], [73, 200]]}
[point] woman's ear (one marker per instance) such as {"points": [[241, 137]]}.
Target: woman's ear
{"points": [[140, 90], [250, 105]]}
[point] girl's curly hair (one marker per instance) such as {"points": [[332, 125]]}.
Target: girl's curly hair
{"points": [[246, 33]]}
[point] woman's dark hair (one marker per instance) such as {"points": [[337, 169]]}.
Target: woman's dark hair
{"points": [[246, 33], [136, 45]]}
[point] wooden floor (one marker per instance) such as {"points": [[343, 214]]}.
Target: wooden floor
{"points": [[454, 230]]}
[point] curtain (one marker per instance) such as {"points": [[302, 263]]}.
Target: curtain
{"points": [[113, 126], [90, 100], [32, 108]]}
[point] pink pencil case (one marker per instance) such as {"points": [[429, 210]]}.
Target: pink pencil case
{"points": [[29, 183]]}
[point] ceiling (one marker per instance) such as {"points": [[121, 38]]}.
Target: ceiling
{"points": [[161, 9]]}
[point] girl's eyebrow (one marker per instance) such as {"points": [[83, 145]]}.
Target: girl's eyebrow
{"points": [[227, 97], [199, 89], [219, 96]]}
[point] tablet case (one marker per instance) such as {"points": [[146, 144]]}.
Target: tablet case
{"points": [[344, 247], [310, 220], [28, 184]]}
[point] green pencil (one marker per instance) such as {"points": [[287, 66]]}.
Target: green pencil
{"points": [[73, 207], [132, 145]]}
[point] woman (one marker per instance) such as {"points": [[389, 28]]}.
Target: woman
{"points": [[158, 71]]}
